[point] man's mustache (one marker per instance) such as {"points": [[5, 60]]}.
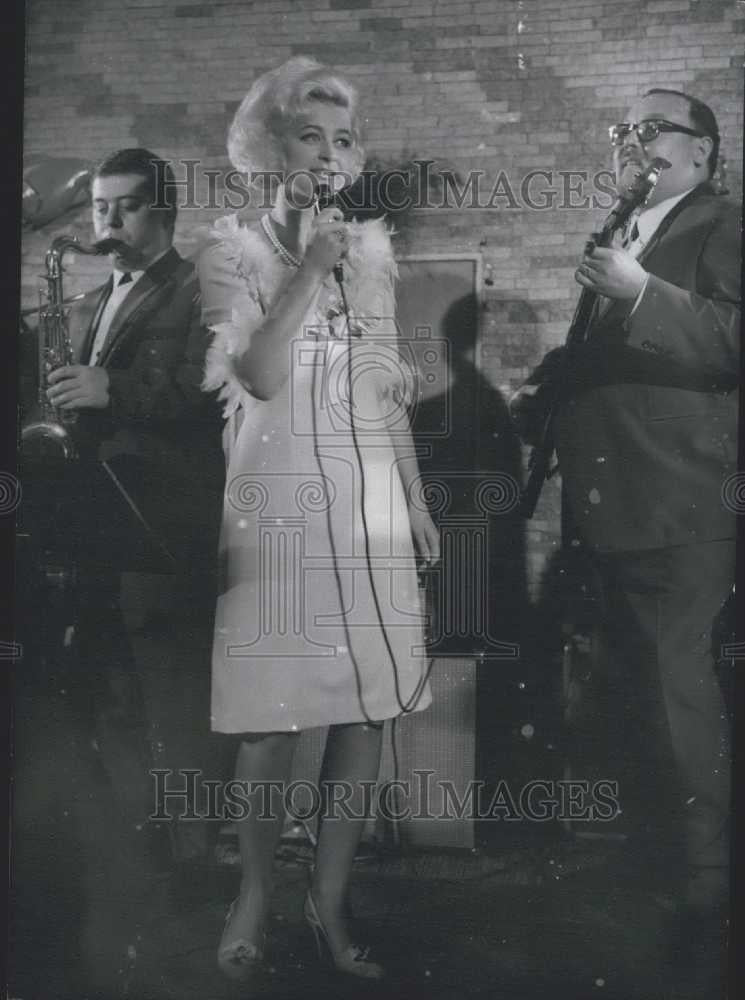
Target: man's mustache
{"points": [[632, 157]]}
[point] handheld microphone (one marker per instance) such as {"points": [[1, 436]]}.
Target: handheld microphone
{"points": [[326, 198]]}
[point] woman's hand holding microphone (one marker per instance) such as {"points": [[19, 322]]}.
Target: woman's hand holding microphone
{"points": [[329, 240]]}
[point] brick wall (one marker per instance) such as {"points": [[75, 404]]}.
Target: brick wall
{"points": [[497, 85]]}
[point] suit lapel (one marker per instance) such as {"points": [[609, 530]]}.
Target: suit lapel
{"points": [[614, 311], [154, 283], [661, 231]]}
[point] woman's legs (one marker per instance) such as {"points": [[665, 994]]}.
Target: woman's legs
{"points": [[262, 758], [352, 758]]}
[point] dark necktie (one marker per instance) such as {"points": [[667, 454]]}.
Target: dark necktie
{"points": [[630, 234], [125, 278]]}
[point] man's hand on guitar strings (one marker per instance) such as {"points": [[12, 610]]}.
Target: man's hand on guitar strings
{"points": [[613, 273]]}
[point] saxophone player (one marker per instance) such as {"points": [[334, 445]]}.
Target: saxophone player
{"points": [[147, 488]]}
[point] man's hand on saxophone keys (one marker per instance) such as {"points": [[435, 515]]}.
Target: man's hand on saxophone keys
{"points": [[77, 387]]}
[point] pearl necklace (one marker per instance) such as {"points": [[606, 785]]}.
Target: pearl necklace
{"points": [[284, 254]]}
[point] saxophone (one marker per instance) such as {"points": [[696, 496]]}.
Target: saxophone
{"points": [[49, 435]]}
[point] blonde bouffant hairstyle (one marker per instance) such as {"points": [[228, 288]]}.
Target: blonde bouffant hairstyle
{"points": [[274, 101]]}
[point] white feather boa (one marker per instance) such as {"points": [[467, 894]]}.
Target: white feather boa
{"points": [[369, 275]]}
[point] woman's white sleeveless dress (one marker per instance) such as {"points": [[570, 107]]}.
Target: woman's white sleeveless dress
{"points": [[318, 617]]}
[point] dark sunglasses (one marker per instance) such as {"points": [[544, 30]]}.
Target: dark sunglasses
{"points": [[647, 130]]}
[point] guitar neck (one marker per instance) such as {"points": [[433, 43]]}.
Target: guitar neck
{"points": [[582, 315]]}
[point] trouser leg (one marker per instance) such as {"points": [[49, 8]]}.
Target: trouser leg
{"points": [[661, 607], [699, 726], [115, 698]]}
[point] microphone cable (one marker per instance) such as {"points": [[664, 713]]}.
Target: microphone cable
{"points": [[326, 199], [406, 708]]}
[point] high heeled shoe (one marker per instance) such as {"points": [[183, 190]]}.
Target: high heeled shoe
{"points": [[239, 959], [352, 960]]}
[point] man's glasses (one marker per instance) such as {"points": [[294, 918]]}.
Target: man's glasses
{"points": [[646, 130]]}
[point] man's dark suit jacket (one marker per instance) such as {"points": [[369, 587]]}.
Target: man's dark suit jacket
{"points": [[160, 433], [647, 435]]}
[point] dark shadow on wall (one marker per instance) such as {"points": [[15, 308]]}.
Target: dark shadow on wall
{"points": [[473, 469], [478, 459]]}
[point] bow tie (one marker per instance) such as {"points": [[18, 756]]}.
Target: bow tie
{"points": [[125, 279]]}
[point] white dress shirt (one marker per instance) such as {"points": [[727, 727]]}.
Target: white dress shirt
{"points": [[119, 292]]}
